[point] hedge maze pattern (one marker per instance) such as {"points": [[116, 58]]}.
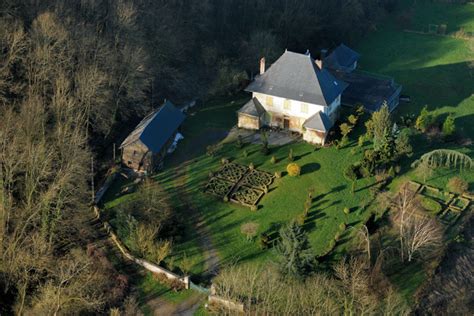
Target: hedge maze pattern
{"points": [[452, 204], [219, 187], [246, 195], [232, 172], [239, 184], [257, 179]]}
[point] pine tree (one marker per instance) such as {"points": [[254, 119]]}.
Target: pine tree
{"points": [[379, 125], [424, 120], [402, 144], [296, 257], [449, 127]]}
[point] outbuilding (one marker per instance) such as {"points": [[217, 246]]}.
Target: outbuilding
{"points": [[145, 148]]}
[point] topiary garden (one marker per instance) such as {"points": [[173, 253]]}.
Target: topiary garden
{"points": [[240, 184]]}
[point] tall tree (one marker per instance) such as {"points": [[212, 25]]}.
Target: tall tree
{"points": [[296, 257]]}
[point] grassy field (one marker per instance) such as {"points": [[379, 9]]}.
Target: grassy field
{"points": [[434, 70]]}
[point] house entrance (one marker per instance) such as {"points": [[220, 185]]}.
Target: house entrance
{"points": [[286, 123]]}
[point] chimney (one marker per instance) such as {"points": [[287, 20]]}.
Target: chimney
{"points": [[319, 63], [262, 65]]}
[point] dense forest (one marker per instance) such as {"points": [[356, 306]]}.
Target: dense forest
{"points": [[73, 73]]}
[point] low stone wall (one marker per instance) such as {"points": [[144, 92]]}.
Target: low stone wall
{"points": [[145, 264], [238, 307], [185, 280]]}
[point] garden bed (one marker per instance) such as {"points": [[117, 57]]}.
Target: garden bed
{"points": [[246, 195], [232, 172], [219, 187], [257, 179], [449, 216], [437, 194], [414, 186], [430, 205], [459, 204], [239, 184]]}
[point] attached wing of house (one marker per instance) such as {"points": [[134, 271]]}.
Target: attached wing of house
{"points": [[342, 58], [367, 89]]}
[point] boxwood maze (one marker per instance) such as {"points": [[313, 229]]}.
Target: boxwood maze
{"points": [[239, 184]]}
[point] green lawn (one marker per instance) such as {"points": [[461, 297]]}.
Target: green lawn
{"points": [[436, 71], [321, 169], [433, 70]]}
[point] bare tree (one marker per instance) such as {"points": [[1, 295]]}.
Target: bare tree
{"points": [[76, 285], [421, 234], [405, 204], [354, 276], [364, 233]]}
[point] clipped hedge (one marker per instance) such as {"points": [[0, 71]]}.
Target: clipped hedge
{"points": [[431, 205]]}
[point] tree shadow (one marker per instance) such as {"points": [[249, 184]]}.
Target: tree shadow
{"points": [[310, 167], [296, 158], [273, 232]]}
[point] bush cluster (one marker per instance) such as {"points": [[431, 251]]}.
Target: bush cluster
{"points": [[457, 185]]}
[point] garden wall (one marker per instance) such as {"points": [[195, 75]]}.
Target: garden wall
{"points": [[213, 299], [145, 264]]}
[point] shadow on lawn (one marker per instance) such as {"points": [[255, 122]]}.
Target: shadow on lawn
{"points": [[296, 158], [310, 167], [337, 189]]}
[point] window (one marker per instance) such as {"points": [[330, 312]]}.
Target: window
{"points": [[287, 104], [269, 101], [304, 107]]}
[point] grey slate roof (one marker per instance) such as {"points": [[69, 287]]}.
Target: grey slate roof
{"points": [[341, 57], [297, 77], [157, 128], [319, 122], [370, 90], [252, 108]]}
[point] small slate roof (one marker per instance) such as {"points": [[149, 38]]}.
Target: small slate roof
{"points": [[370, 90], [252, 108], [297, 77], [319, 122], [342, 56], [157, 128]]}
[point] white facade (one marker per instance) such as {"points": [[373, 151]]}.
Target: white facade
{"points": [[295, 109]]}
